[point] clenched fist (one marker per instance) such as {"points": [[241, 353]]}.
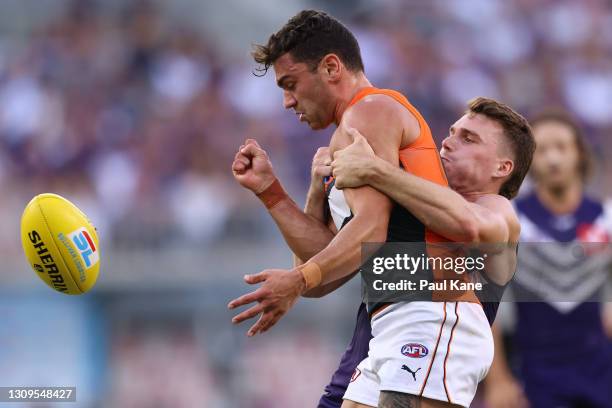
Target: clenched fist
{"points": [[252, 167]]}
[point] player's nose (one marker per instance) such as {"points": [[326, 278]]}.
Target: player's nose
{"points": [[446, 143], [288, 100]]}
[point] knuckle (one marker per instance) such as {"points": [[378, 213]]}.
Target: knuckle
{"points": [[268, 303]]}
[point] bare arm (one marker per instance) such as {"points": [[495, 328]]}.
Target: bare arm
{"points": [[305, 234], [499, 367], [488, 219], [370, 208], [502, 390], [315, 199], [315, 207], [443, 210]]}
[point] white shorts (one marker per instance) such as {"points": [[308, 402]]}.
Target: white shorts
{"points": [[437, 350]]}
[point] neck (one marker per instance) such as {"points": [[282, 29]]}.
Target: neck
{"points": [[347, 91], [473, 196], [561, 199], [472, 193]]}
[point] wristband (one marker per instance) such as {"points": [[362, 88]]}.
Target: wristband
{"points": [[274, 194], [311, 273]]}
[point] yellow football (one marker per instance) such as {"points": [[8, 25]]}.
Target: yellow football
{"points": [[60, 244]]}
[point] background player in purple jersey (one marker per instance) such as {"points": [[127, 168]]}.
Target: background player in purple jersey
{"points": [[564, 357]]}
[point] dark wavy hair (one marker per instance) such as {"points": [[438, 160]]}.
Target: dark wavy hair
{"points": [[309, 36], [558, 115]]}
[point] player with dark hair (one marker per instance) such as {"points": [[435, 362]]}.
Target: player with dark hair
{"points": [[317, 83], [564, 355]]}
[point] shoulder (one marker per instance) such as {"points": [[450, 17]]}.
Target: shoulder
{"points": [[495, 202], [595, 211], [379, 116], [380, 109]]}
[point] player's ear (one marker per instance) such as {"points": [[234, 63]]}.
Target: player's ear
{"points": [[504, 167], [331, 66]]}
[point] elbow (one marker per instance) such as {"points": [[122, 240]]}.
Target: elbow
{"points": [[470, 232], [379, 232], [494, 235], [372, 228]]}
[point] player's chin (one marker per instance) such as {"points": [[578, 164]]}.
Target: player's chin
{"points": [[316, 125], [313, 125]]}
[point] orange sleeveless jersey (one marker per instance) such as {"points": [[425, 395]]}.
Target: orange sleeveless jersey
{"points": [[422, 159]]}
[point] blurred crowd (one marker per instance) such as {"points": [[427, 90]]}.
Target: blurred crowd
{"points": [[136, 117]]}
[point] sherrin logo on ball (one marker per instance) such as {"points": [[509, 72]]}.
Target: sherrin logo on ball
{"points": [[60, 244]]}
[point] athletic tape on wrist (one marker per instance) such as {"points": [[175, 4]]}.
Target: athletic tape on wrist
{"points": [[274, 194], [312, 274]]}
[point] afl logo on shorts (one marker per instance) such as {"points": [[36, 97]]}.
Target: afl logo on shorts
{"points": [[84, 244], [414, 350], [356, 374]]}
